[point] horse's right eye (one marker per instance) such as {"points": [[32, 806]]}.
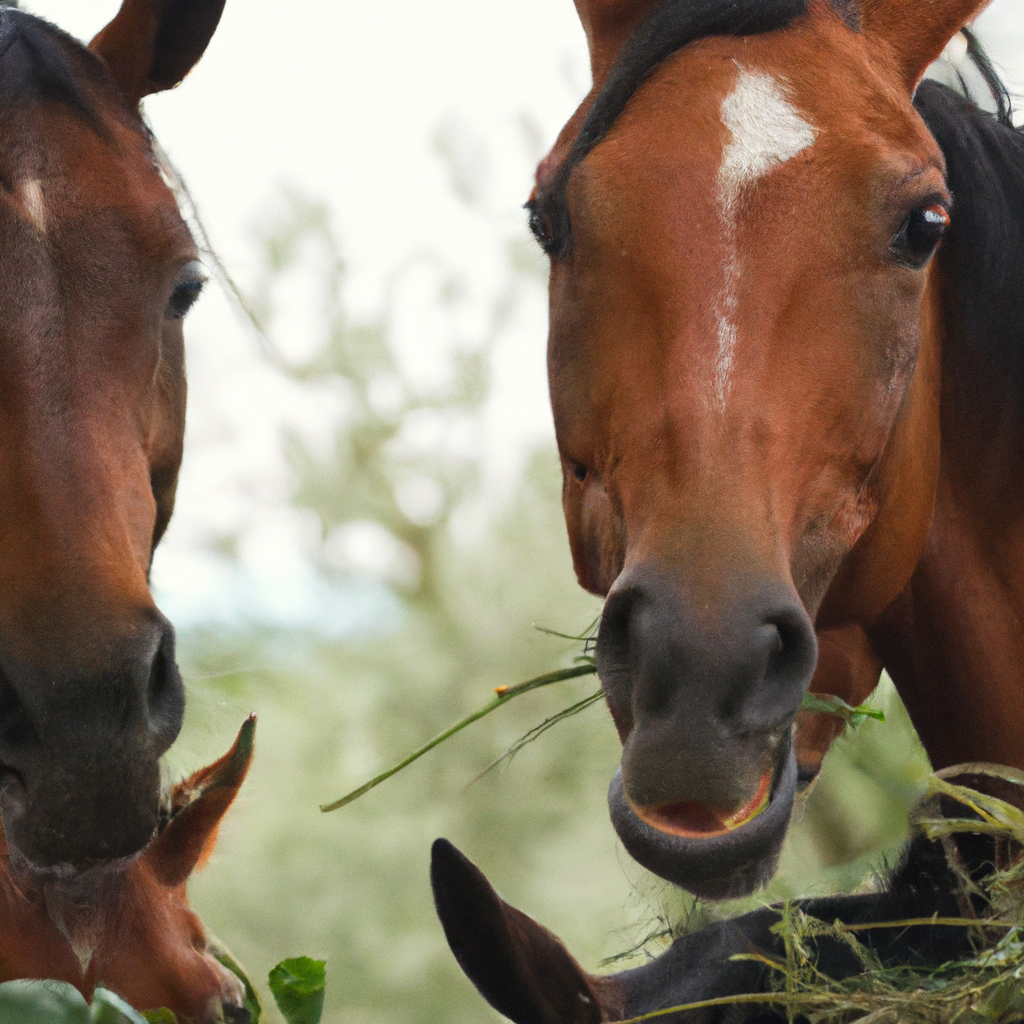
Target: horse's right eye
{"points": [[916, 241], [579, 471]]}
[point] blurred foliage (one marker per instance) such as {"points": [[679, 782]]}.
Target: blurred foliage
{"points": [[352, 887]]}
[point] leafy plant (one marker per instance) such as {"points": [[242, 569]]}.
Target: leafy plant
{"points": [[298, 986]]}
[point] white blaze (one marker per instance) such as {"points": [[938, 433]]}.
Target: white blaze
{"points": [[767, 130], [33, 203]]}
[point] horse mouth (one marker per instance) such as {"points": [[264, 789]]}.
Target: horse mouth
{"points": [[692, 820], [715, 855]]}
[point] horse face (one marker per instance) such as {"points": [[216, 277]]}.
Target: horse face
{"points": [[742, 368], [130, 928], [100, 271]]}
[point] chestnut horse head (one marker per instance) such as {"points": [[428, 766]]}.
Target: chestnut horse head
{"points": [[99, 270], [130, 930], [744, 363]]}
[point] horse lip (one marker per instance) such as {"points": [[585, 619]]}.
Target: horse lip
{"points": [[668, 818], [721, 865]]}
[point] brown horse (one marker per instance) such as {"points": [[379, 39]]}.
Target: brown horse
{"points": [[98, 271], [131, 930], [789, 435]]}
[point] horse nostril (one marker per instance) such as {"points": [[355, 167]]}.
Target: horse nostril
{"points": [[16, 729], [165, 695], [790, 656], [614, 656]]}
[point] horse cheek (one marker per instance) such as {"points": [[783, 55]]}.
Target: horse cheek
{"points": [[882, 561]]}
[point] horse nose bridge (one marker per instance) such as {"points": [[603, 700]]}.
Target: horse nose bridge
{"points": [[713, 664]]}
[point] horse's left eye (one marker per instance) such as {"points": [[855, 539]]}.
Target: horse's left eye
{"points": [[540, 228], [186, 290], [916, 241]]}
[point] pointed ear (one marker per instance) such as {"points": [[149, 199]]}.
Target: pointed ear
{"points": [[199, 804], [151, 45], [608, 24], [917, 32], [520, 968]]}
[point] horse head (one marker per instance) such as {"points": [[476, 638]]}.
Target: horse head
{"points": [[99, 271], [129, 928], [743, 362]]}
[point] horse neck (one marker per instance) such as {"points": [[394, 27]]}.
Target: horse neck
{"points": [[954, 640]]}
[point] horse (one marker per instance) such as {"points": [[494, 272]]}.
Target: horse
{"points": [[526, 973], [99, 272], [786, 365], [130, 928]]}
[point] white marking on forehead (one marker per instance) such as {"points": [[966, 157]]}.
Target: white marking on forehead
{"points": [[767, 130], [30, 192]]}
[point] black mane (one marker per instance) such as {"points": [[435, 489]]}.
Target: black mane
{"points": [[984, 251], [40, 62], [668, 29]]}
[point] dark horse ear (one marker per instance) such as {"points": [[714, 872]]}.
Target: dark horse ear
{"points": [[917, 32], [151, 45], [520, 968], [198, 806]]}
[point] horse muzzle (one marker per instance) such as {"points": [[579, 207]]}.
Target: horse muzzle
{"points": [[704, 693]]}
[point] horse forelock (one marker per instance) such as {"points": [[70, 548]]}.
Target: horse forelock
{"points": [[670, 28], [49, 65]]}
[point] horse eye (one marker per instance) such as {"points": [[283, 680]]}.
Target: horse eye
{"points": [[186, 290], [916, 241], [579, 471], [540, 228]]}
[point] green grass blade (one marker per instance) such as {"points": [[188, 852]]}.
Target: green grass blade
{"points": [[827, 705], [504, 694], [539, 730]]}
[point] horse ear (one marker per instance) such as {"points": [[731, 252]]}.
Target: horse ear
{"points": [[520, 968], [151, 45], [917, 33], [198, 806], [608, 24]]}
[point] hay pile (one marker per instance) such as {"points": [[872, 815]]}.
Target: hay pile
{"points": [[987, 988]]}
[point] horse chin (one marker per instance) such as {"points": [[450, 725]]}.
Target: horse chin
{"points": [[716, 865]]}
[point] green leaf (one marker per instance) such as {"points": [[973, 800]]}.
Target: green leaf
{"points": [[108, 1008], [42, 1002], [298, 987], [161, 1016]]}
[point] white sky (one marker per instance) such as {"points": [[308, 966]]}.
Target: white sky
{"points": [[342, 100]]}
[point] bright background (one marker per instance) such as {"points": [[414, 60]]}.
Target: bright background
{"points": [[368, 526]]}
